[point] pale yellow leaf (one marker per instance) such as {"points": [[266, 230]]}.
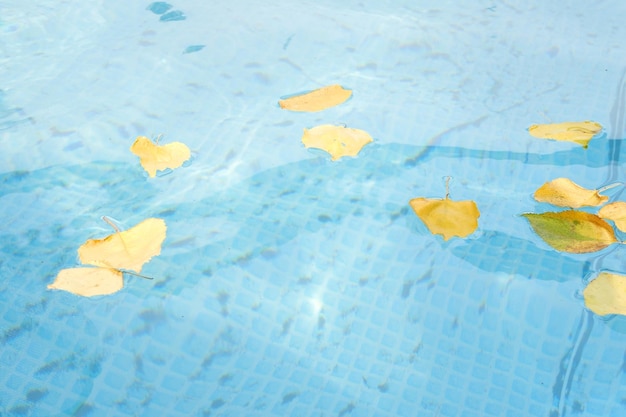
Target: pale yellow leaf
{"points": [[88, 282], [563, 192], [577, 132], [616, 212], [447, 217], [338, 141], [606, 294], [316, 100], [155, 157], [129, 249]]}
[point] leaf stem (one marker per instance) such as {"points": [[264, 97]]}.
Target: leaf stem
{"points": [[125, 271], [110, 222], [608, 187], [448, 186]]}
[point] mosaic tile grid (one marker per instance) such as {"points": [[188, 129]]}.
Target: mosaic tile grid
{"points": [[324, 295]]}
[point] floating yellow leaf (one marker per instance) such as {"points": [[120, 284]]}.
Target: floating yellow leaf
{"points": [[616, 212], [338, 141], [317, 100], [88, 282], [130, 249], [113, 255], [606, 294], [447, 217], [577, 132], [564, 192], [154, 157], [572, 231]]}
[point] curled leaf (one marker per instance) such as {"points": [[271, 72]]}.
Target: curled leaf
{"points": [[447, 217], [606, 294], [112, 256], [564, 192], [154, 157], [316, 100], [572, 231], [616, 212], [577, 132], [338, 141], [88, 282]]}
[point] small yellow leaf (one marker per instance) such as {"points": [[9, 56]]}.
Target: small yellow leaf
{"points": [[129, 249], [606, 294], [88, 282], [316, 100], [616, 212], [577, 132], [572, 231], [564, 192], [338, 141], [154, 157], [447, 217]]}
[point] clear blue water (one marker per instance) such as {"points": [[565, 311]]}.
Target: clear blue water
{"points": [[288, 284]]}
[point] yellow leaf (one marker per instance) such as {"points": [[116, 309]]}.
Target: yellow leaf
{"points": [[154, 157], [115, 254], [338, 141], [577, 132], [88, 282], [564, 192], [606, 294], [616, 212], [572, 231], [130, 249], [316, 100], [447, 217]]}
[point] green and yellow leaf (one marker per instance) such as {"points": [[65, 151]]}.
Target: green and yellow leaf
{"points": [[577, 132], [564, 192], [572, 231], [606, 294]]}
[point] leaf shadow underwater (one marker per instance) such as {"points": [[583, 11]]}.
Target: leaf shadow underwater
{"points": [[498, 252]]}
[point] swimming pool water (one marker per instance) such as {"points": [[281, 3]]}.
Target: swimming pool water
{"points": [[289, 284]]}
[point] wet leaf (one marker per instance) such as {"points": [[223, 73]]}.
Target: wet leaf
{"points": [[447, 217], [606, 294], [113, 255], [572, 231], [154, 157], [89, 282], [130, 249], [616, 212], [316, 100], [338, 141], [577, 132], [564, 192]]}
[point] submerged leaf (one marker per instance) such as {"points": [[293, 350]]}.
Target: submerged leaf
{"points": [[316, 100], [130, 249], [577, 132], [115, 254], [338, 141], [606, 294], [572, 231], [564, 192], [616, 212], [447, 217], [88, 282], [154, 157]]}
